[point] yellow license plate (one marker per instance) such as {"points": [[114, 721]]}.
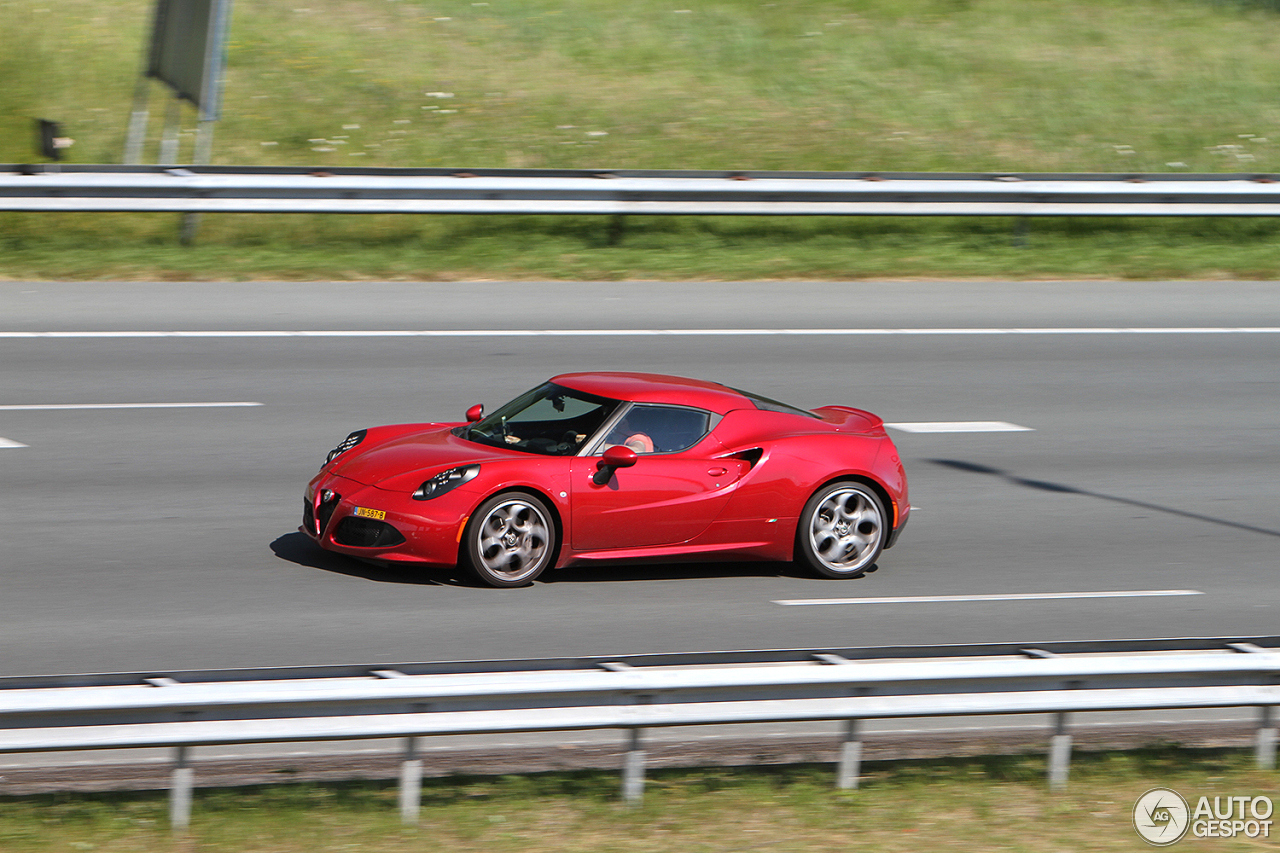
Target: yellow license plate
{"points": [[363, 512]]}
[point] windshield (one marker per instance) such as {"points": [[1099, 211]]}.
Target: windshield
{"points": [[550, 419]]}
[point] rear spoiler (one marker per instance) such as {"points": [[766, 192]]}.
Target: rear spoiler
{"points": [[849, 419]]}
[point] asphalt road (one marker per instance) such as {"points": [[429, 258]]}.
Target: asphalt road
{"points": [[164, 538]]}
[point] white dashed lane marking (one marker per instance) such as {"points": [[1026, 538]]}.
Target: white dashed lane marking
{"points": [[45, 407], [960, 426], [1014, 596]]}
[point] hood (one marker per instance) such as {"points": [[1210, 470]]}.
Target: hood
{"points": [[430, 448]]}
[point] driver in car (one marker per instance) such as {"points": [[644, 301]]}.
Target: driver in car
{"points": [[628, 436]]}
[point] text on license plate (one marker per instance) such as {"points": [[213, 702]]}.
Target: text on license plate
{"points": [[364, 512]]}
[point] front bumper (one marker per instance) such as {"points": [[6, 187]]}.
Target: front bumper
{"points": [[347, 517]]}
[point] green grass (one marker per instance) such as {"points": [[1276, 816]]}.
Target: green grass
{"points": [[992, 803], [580, 248], [880, 85]]}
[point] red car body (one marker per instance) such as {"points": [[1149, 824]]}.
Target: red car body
{"points": [[739, 490]]}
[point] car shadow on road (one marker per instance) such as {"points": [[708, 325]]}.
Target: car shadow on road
{"points": [[599, 572], [1062, 488], [300, 549]]}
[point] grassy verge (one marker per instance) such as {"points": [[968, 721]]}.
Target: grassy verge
{"points": [[588, 249], [883, 85], [879, 85], [992, 803]]}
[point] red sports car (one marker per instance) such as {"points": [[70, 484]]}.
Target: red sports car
{"points": [[616, 466]]}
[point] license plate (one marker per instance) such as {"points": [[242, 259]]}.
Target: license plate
{"points": [[364, 512]]}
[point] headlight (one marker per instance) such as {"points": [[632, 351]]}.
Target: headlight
{"points": [[347, 443], [445, 481]]}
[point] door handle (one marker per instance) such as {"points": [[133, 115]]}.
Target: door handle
{"points": [[718, 472]]}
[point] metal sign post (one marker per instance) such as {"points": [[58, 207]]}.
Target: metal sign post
{"points": [[186, 53]]}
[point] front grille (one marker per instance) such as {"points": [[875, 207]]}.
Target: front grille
{"points": [[308, 516], [324, 511], [366, 533]]}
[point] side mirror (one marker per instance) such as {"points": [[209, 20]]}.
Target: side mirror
{"points": [[618, 456], [475, 413]]}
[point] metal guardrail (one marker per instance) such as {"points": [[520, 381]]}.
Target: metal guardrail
{"points": [[634, 693], [207, 189]]}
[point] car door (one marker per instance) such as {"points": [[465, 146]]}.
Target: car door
{"points": [[672, 493]]}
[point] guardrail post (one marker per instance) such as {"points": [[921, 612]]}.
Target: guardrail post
{"points": [[204, 153], [617, 227], [410, 782], [633, 767], [1021, 229], [1265, 739], [850, 756], [1059, 753], [181, 781]]}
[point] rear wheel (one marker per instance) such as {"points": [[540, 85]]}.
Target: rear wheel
{"points": [[842, 529], [510, 539]]}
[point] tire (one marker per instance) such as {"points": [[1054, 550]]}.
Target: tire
{"points": [[842, 529], [510, 539]]}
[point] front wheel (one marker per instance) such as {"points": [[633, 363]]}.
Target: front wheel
{"points": [[510, 539], [842, 529]]}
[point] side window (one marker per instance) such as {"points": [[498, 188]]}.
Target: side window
{"points": [[659, 429]]}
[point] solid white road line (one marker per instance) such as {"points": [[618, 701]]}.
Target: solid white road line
{"points": [[4, 442], [567, 333], [62, 406], [960, 426], [1025, 596]]}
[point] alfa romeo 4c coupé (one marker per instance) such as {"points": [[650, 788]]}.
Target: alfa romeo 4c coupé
{"points": [[616, 466]]}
